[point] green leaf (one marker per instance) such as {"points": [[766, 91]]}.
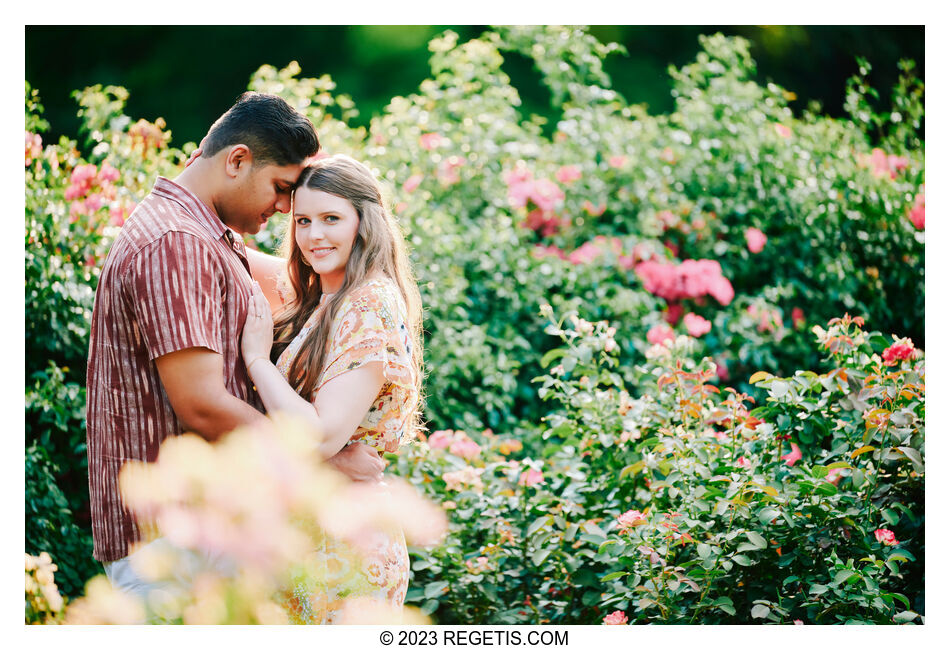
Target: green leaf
{"points": [[556, 353], [826, 488], [539, 523], [760, 611], [614, 575], [741, 560], [818, 589], [429, 606], [539, 556], [434, 589], [843, 575], [914, 457], [905, 617], [756, 539], [704, 550], [890, 516]]}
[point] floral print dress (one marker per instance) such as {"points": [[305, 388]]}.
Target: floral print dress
{"points": [[370, 326]]}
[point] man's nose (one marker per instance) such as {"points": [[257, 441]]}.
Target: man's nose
{"points": [[282, 204]]}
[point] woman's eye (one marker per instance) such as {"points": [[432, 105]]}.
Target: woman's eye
{"points": [[330, 218], [303, 221]]}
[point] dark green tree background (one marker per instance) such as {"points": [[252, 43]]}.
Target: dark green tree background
{"points": [[190, 75]]}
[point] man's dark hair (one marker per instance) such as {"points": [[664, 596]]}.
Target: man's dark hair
{"points": [[274, 132]]}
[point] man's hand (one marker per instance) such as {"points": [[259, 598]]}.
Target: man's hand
{"points": [[359, 462]]}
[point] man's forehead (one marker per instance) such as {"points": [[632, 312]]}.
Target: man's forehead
{"points": [[286, 173]]}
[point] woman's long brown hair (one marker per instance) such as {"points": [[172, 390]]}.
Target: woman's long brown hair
{"points": [[379, 250]]}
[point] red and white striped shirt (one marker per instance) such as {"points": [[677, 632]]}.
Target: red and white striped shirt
{"points": [[175, 278]]}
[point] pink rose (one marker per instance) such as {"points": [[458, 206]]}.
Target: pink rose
{"points": [[531, 477], [755, 239], [615, 618], [916, 212], [798, 317], [743, 462], [660, 333], [617, 161], [430, 141], [885, 537], [412, 182], [899, 351], [793, 456], [568, 174], [631, 518], [464, 447], [440, 439], [783, 131], [594, 210], [696, 325]]}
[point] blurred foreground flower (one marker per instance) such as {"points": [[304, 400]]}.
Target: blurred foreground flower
{"points": [[258, 502], [44, 604]]}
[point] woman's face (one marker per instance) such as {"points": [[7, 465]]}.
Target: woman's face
{"points": [[326, 226]]}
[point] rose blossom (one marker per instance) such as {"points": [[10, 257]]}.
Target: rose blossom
{"points": [[530, 477], [885, 537], [755, 239], [696, 325], [660, 333], [900, 350], [616, 618], [630, 518], [568, 174]]}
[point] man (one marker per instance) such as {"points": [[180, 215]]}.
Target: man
{"points": [[164, 355]]}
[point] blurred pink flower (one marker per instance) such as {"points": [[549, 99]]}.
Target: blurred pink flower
{"points": [[696, 325], [660, 333], [34, 147], [783, 131], [464, 447], [108, 173], [916, 212], [834, 475], [541, 252], [594, 210], [616, 618], [793, 456], [798, 317], [568, 174], [882, 164], [617, 161], [743, 462], [545, 223], [412, 182], [798, 621], [440, 439], [755, 239], [467, 476], [430, 141], [530, 477], [885, 537], [478, 565], [667, 155], [448, 170], [689, 279]]}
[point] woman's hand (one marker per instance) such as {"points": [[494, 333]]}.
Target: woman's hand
{"points": [[258, 336]]}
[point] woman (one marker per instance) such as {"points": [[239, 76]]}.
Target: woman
{"points": [[346, 357]]}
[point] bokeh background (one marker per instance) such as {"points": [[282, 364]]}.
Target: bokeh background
{"points": [[189, 75]]}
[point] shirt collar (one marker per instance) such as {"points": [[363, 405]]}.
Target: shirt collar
{"points": [[200, 212]]}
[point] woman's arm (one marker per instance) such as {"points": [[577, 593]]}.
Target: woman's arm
{"points": [[265, 269], [340, 404]]}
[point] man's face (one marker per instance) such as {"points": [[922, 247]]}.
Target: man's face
{"points": [[256, 194]]}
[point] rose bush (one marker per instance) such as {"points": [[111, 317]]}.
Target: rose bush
{"points": [[733, 221], [688, 504]]}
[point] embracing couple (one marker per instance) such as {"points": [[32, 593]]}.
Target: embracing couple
{"points": [[193, 332]]}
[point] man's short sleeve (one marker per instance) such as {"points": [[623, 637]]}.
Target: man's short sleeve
{"points": [[175, 288]]}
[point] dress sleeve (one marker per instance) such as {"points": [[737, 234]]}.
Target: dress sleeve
{"points": [[176, 294], [372, 327]]}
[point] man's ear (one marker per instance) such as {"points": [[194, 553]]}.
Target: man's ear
{"points": [[239, 159]]}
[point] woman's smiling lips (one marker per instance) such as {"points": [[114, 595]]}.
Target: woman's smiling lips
{"points": [[321, 252]]}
